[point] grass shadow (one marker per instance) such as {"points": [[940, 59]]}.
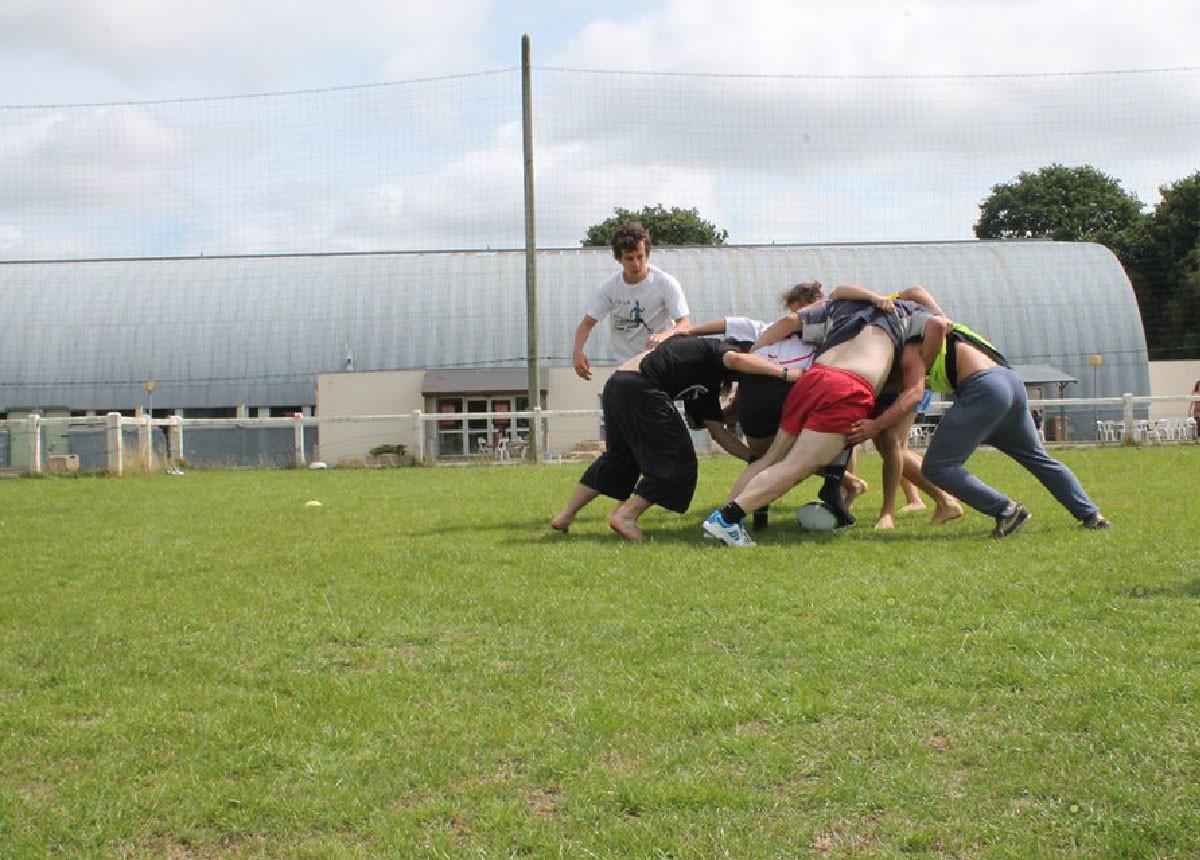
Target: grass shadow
{"points": [[1141, 592]]}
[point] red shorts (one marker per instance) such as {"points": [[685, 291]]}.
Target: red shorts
{"points": [[828, 400]]}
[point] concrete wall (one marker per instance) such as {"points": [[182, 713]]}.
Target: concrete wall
{"points": [[399, 393], [381, 392], [1172, 377]]}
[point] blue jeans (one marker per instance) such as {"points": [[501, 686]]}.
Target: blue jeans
{"points": [[991, 408]]}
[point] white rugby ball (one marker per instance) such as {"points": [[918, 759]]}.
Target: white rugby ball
{"points": [[817, 517]]}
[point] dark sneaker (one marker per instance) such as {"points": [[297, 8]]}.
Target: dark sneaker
{"points": [[1099, 521], [1008, 523], [831, 495], [761, 520]]}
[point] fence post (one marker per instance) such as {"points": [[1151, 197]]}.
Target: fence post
{"points": [[175, 439], [419, 431], [1127, 408], [146, 444], [114, 444], [298, 432], [35, 443], [539, 442]]}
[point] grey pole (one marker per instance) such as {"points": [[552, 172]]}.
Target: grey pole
{"points": [[531, 312]]}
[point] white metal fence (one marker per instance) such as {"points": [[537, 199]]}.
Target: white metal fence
{"points": [[116, 444]]}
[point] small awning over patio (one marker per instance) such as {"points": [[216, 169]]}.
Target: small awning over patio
{"points": [[480, 380], [1041, 374]]}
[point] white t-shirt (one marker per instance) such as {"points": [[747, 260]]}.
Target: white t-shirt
{"points": [[791, 352], [637, 310]]}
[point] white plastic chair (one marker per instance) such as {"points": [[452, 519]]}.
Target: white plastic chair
{"points": [[502, 448]]}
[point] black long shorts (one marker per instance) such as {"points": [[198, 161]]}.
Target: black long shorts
{"points": [[760, 403], [648, 448]]}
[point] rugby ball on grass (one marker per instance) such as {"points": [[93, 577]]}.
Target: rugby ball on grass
{"points": [[817, 517]]}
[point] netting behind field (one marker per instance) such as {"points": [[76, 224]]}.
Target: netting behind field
{"points": [[417, 165], [437, 164], [828, 159]]}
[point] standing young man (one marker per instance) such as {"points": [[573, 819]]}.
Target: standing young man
{"points": [[641, 300]]}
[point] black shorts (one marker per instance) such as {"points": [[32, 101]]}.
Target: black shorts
{"points": [[760, 403], [883, 400], [648, 449]]}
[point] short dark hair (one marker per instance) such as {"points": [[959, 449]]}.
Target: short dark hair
{"points": [[627, 238], [805, 292]]}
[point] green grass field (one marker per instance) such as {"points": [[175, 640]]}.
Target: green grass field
{"points": [[205, 667]]}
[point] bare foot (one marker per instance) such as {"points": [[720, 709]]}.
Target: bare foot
{"points": [[952, 510], [855, 487], [626, 528], [913, 507], [561, 523], [885, 522]]}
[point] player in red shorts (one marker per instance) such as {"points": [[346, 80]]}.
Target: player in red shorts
{"points": [[860, 346]]}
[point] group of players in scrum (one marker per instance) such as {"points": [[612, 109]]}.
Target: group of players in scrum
{"points": [[830, 374]]}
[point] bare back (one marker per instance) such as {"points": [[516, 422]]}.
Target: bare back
{"points": [[869, 354], [969, 360]]}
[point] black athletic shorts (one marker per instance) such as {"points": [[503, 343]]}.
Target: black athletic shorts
{"points": [[760, 403], [648, 449]]}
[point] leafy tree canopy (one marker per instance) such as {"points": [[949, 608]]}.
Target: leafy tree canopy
{"points": [[672, 226], [1177, 217], [1173, 259], [1058, 202]]}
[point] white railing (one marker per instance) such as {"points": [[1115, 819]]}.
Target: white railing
{"points": [[1128, 430]]}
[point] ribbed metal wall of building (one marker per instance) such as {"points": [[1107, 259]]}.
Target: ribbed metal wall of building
{"points": [[218, 332]]}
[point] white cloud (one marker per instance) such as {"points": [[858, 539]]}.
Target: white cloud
{"points": [[782, 146], [883, 37], [142, 49]]}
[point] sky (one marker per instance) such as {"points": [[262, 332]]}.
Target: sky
{"points": [[97, 52]]}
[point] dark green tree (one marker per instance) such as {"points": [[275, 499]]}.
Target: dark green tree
{"points": [[1167, 271], [672, 226], [1058, 202]]}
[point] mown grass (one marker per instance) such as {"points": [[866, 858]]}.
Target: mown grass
{"points": [[205, 667]]}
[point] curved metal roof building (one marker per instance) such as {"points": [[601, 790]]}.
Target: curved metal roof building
{"points": [[218, 332]]}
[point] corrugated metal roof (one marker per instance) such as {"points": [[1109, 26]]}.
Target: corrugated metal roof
{"points": [[257, 330]]}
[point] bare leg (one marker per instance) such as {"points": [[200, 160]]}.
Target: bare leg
{"points": [[852, 485], [890, 448], [759, 445], [912, 498], [779, 447], [804, 455], [582, 495], [946, 507], [624, 520]]}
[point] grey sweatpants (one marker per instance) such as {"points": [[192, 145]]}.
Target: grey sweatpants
{"points": [[991, 408]]}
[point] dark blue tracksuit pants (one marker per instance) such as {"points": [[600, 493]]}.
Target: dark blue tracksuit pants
{"points": [[990, 408]]}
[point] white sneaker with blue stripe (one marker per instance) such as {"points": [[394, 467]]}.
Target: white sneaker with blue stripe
{"points": [[729, 534]]}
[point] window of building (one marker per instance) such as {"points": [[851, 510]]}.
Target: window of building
{"points": [[459, 438]]}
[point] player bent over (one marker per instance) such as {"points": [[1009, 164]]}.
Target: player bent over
{"points": [[649, 457], [901, 466], [991, 407], [758, 402], [851, 366]]}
